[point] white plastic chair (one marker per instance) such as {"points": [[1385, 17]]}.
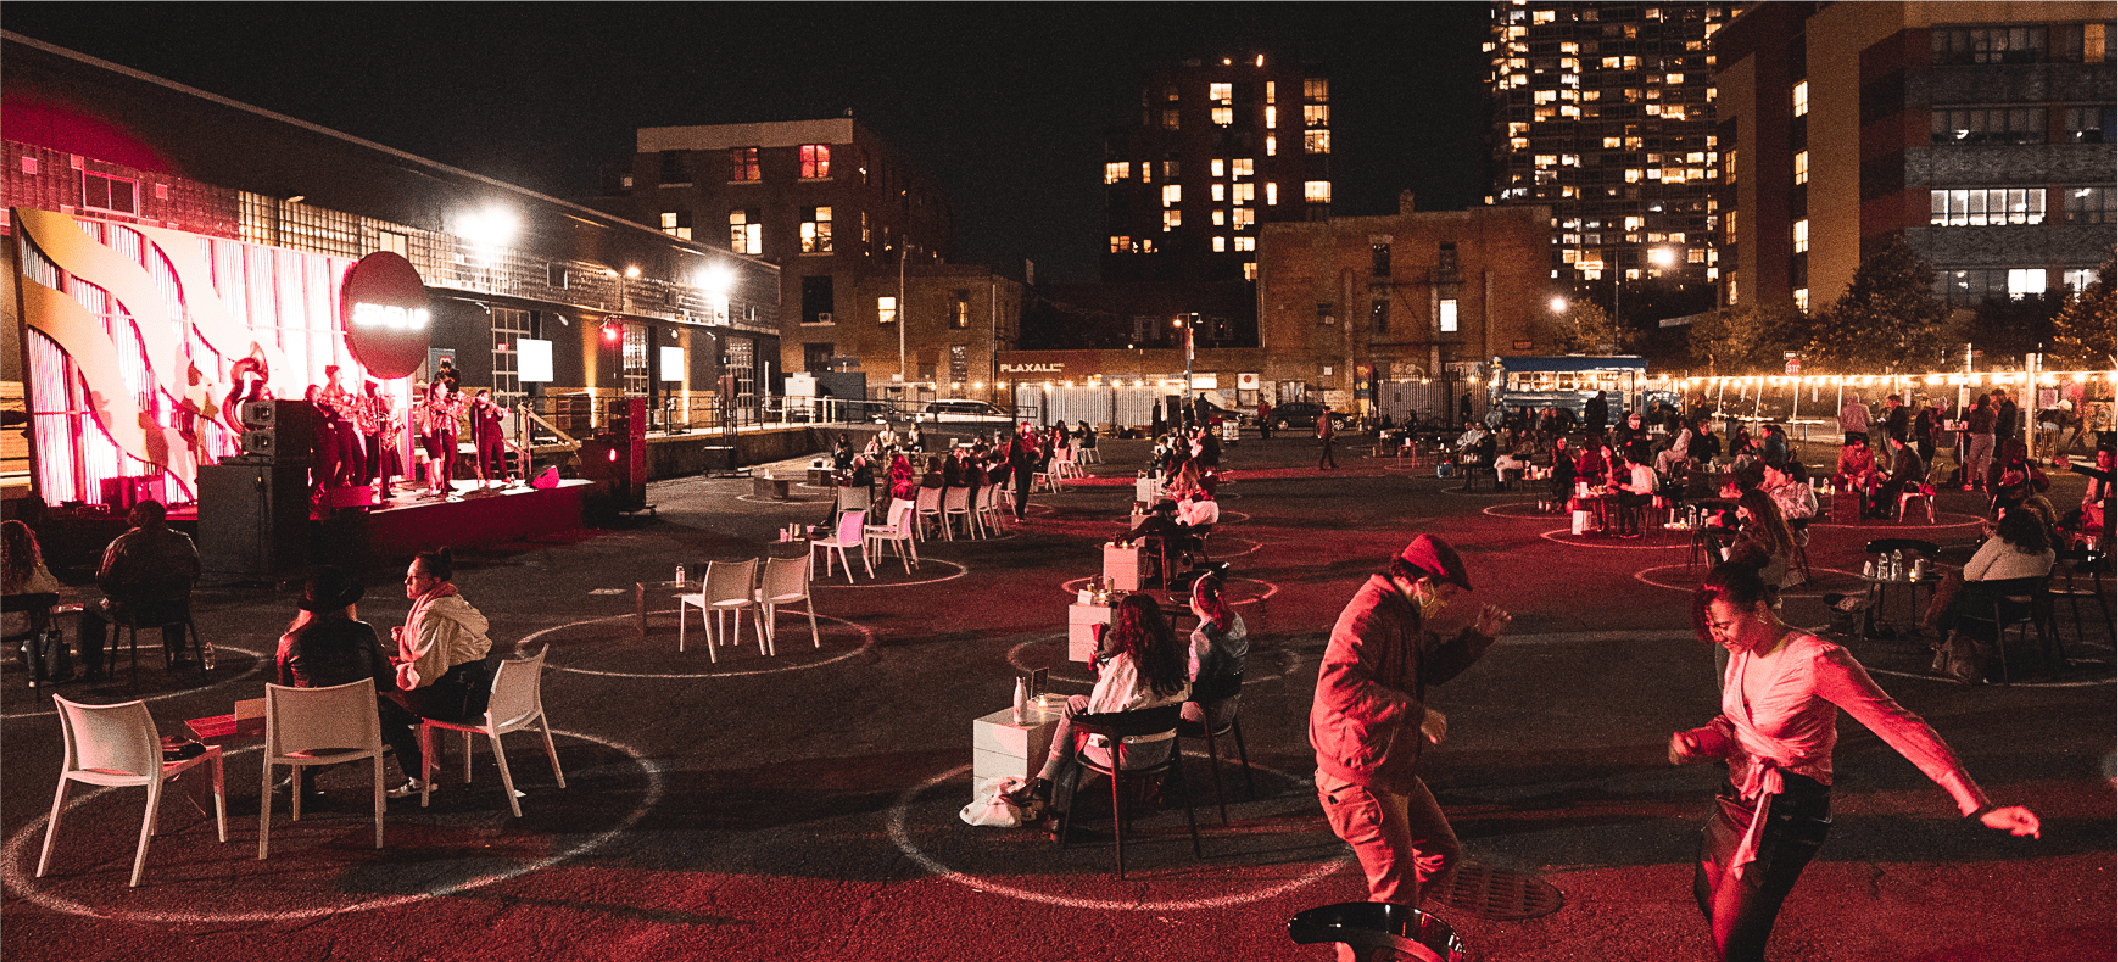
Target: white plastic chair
{"points": [[115, 746], [854, 498], [899, 532], [928, 502], [729, 586], [1087, 456], [318, 726], [989, 510], [517, 702], [851, 526], [1066, 464], [956, 503], [786, 581]]}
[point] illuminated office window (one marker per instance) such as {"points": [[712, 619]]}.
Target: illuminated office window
{"points": [[676, 224], [1220, 93], [886, 307], [1801, 297], [1113, 173], [1272, 195], [1250, 270], [1447, 316], [1172, 219], [1242, 167], [816, 162], [1217, 167], [1801, 99], [1801, 166], [1220, 217], [1244, 217], [1272, 118], [1219, 192], [1801, 235], [1220, 244], [745, 234], [743, 164], [1316, 115], [1245, 193], [1316, 141], [1172, 194], [1316, 90], [1119, 243], [816, 230], [1316, 191], [1271, 88], [1223, 116], [1272, 146]]}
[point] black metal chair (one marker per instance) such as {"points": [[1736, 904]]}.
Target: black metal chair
{"points": [[2019, 604], [1117, 726], [1200, 730], [2078, 563]]}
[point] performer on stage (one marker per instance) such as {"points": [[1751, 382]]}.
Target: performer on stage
{"points": [[384, 433], [444, 406], [489, 436]]}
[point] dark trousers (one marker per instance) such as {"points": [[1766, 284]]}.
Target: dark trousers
{"points": [[98, 616], [1742, 910], [1022, 489], [1324, 457], [453, 698]]}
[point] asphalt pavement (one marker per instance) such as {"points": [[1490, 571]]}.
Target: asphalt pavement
{"points": [[720, 803]]}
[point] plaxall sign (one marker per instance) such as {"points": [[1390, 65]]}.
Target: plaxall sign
{"points": [[1047, 365]]}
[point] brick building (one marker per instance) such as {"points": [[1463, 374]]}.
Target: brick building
{"points": [[1410, 296], [1979, 132]]}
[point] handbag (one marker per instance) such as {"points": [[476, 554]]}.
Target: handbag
{"points": [[990, 807]]}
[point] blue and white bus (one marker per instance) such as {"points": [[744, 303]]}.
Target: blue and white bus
{"points": [[1568, 382]]}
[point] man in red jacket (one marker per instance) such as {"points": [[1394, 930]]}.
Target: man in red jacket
{"points": [[1369, 720], [1324, 458]]}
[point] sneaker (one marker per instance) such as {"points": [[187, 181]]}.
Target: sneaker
{"points": [[411, 786]]}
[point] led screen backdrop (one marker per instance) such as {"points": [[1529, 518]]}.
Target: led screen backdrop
{"points": [[139, 337]]}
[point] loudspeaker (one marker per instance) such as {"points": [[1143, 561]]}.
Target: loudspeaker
{"points": [[283, 431], [253, 520]]}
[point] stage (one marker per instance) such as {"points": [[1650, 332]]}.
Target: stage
{"points": [[472, 515]]}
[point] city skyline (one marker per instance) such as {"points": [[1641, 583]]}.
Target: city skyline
{"points": [[1007, 110]]}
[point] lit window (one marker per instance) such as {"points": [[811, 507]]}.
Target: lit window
{"points": [[1635, 223], [1172, 194], [1169, 119], [1119, 243], [745, 234], [1316, 115], [1218, 167], [816, 230], [743, 165], [1244, 217], [1271, 88], [1272, 118], [1609, 142], [1801, 296], [1694, 255], [1242, 167], [1245, 193], [1220, 93], [1675, 78], [816, 162], [1220, 192], [676, 225], [1113, 173], [1547, 160], [1220, 217], [1272, 195], [1246, 243], [1448, 316], [1172, 219], [1272, 146], [1316, 90], [1316, 141], [1220, 244], [1978, 208], [2026, 280], [1801, 236], [886, 309], [1316, 191], [1801, 99], [1169, 168], [1801, 166], [1250, 270], [1224, 116]]}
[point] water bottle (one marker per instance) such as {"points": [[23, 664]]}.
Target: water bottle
{"points": [[1868, 569], [1022, 697], [207, 659], [680, 574]]}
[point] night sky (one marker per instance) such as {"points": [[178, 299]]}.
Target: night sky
{"points": [[1005, 103]]}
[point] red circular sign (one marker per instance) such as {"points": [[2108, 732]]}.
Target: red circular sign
{"points": [[386, 315]]}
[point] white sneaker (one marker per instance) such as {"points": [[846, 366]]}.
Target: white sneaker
{"points": [[411, 786]]}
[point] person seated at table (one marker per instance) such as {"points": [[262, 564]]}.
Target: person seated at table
{"points": [[1220, 647], [1199, 510], [1178, 539], [1139, 664], [1634, 494], [933, 477], [1086, 434], [439, 659], [2018, 490], [2020, 547], [26, 584], [1592, 467], [1856, 473], [903, 482], [1473, 432], [841, 454], [1561, 471], [1790, 490], [1762, 541], [860, 473], [1907, 474], [1705, 444], [1773, 450], [1740, 444], [1633, 440], [1188, 482], [326, 646], [915, 439], [887, 437]]}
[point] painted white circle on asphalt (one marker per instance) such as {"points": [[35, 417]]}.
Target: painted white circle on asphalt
{"points": [[867, 642], [34, 889], [257, 664]]}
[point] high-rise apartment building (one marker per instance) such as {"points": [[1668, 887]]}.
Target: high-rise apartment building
{"points": [[1603, 112], [1222, 148], [1980, 133]]}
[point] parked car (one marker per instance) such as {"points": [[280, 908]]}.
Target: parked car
{"points": [[1301, 415], [960, 409]]}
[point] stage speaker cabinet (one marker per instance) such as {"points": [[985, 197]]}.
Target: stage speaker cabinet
{"points": [[253, 521], [278, 430]]}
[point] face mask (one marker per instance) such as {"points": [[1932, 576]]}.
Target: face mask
{"points": [[1430, 601]]}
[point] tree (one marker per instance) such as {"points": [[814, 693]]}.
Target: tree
{"points": [[1583, 329], [1737, 340], [1888, 319], [2083, 333]]}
